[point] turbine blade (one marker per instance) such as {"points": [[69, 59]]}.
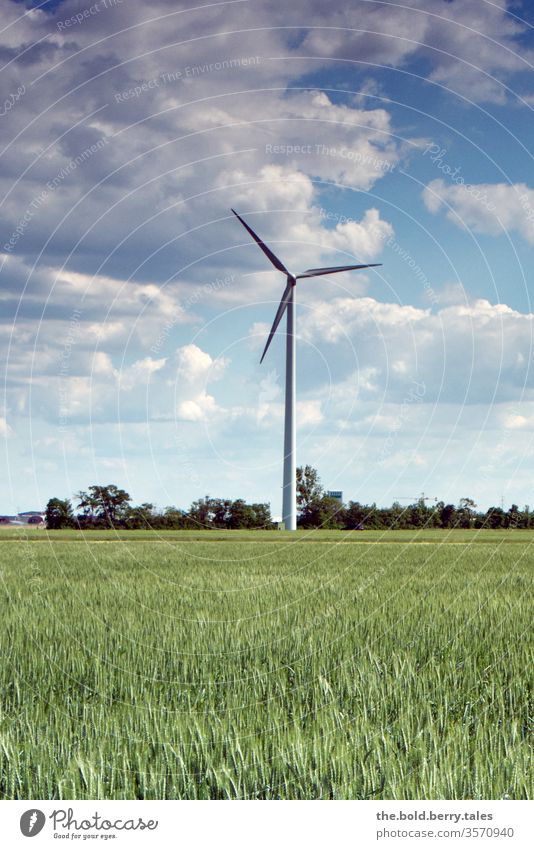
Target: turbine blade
{"points": [[267, 251], [278, 318], [316, 272]]}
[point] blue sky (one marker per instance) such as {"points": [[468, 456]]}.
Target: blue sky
{"points": [[134, 307]]}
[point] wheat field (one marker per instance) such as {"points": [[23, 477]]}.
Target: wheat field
{"points": [[265, 666]]}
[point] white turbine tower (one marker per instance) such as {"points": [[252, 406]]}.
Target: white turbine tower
{"points": [[289, 503]]}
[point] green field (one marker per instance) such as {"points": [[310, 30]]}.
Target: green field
{"points": [[264, 665]]}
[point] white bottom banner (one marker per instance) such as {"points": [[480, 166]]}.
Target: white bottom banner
{"points": [[258, 824]]}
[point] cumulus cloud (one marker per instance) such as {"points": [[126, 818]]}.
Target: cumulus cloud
{"points": [[139, 373], [470, 48], [198, 409], [147, 389], [304, 241], [516, 421], [131, 135], [355, 348], [464, 354], [309, 413], [488, 208], [5, 429], [195, 366]]}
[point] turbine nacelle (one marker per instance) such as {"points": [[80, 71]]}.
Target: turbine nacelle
{"points": [[291, 279]]}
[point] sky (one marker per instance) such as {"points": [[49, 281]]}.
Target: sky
{"points": [[134, 307]]}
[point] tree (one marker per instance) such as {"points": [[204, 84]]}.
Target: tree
{"points": [[324, 512], [211, 512], [315, 509], [494, 518], [104, 505], [241, 515], [448, 515], [309, 489], [201, 512], [143, 516], [355, 515], [514, 518], [220, 511], [59, 514], [263, 518], [466, 512], [175, 518], [396, 516], [87, 504]]}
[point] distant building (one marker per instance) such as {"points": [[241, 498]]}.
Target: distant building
{"points": [[29, 517], [337, 494], [32, 516]]}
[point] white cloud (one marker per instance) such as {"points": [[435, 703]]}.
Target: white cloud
{"points": [[465, 353], [471, 48], [274, 187], [101, 363], [197, 409], [488, 208], [91, 308], [139, 373], [106, 332], [154, 221], [5, 429], [355, 239], [309, 412], [195, 366], [515, 421], [304, 234], [148, 389]]}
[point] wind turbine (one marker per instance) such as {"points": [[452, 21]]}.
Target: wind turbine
{"points": [[289, 501]]}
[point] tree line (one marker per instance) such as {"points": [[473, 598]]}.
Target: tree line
{"points": [[111, 507], [317, 509]]}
